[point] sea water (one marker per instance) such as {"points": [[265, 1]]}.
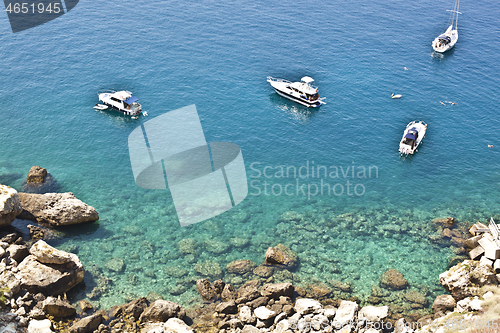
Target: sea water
{"points": [[217, 56]]}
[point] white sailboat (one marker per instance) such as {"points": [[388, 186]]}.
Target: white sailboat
{"points": [[449, 38]]}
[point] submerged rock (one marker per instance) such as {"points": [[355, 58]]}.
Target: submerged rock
{"points": [[393, 279], [281, 255], [209, 269], [240, 267], [10, 205], [56, 209]]}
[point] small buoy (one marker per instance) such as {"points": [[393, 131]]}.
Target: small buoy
{"points": [[490, 146], [396, 96], [406, 69]]}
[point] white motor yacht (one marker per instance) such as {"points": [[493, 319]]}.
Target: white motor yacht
{"points": [[300, 92], [122, 101], [412, 137]]}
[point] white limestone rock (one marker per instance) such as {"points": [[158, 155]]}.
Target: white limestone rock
{"points": [[306, 305], [264, 313], [10, 205], [346, 312], [373, 313], [40, 326]]}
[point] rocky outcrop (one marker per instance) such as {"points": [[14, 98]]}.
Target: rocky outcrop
{"points": [[56, 209], [10, 205], [36, 174], [393, 279], [38, 273], [466, 278], [161, 311], [40, 181]]}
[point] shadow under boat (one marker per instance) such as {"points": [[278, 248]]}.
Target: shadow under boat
{"points": [[442, 56], [294, 110]]}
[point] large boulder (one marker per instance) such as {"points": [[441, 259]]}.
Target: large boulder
{"points": [[36, 174], [40, 326], [305, 306], [18, 252], [58, 308], [46, 254], [132, 309], [206, 289], [373, 313], [465, 279], [56, 209], [443, 304], [277, 289], [50, 278], [161, 311], [393, 279], [346, 312], [39, 181], [10, 205], [281, 256], [88, 324]]}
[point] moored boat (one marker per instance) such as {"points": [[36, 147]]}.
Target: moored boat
{"points": [[449, 38], [122, 101], [300, 92], [412, 137]]}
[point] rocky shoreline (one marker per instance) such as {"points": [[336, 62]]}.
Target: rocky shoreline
{"points": [[34, 279]]}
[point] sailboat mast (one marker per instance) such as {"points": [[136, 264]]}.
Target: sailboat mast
{"points": [[457, 12]]}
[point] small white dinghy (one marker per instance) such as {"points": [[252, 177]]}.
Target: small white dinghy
{"points": [[100, 107], [412, 136]]}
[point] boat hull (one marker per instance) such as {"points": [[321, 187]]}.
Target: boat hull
{"points": [[298, 100], [125, 112], [439, 47]]}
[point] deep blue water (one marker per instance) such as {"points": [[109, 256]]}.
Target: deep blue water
{"points": [[217, 55]]}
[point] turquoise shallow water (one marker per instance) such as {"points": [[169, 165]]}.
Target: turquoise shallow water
{"points": [[217, 56]]}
